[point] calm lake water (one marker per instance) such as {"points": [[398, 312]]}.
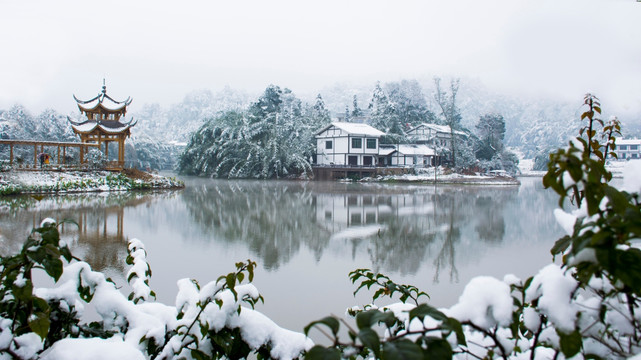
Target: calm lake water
{"points": [[305, 236]]}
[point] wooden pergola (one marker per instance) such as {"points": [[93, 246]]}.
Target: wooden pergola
{"points": [[103, 126], [39, 147]]}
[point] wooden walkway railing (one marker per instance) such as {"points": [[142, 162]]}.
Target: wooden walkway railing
{"points": [[39, 146]]}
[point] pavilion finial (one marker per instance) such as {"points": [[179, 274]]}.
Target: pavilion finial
{"points": [[104, 86]]}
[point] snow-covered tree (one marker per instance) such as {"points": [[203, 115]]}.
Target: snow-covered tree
{"points": [[272, 139], [450, 113], [383, 116], [490, 130], [319, 112], [409, 103], [356, 110]]}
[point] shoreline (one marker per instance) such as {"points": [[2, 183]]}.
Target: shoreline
{"points": [[15, 182], [448, 179]]}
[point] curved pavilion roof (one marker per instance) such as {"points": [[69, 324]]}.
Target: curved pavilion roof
{"points": [[101, 117], [96, 104], [105, 126]]}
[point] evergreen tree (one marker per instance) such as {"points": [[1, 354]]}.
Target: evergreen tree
{"points": [[384, 116], [356, 111], [268, 103], [491, 131], [273, 139], [409, 103], [319, 112]]}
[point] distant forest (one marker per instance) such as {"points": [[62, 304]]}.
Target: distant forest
{"points": [[531, 126]]}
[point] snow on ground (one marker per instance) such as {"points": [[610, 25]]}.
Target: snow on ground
{"points": [[44, 181], [446, 177], [48, 178]]}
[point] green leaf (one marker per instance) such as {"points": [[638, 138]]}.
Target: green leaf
{"points": [[402, 350], [199, 355], [561, 245], [23, 293], [320, 353], [366, 319], [438, 349], [570, 343], [370, 339], [54, 268], [424, 310], [329, 321], [40, 324]]}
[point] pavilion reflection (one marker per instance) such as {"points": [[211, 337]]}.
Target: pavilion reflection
{"points": [[92, 225]]}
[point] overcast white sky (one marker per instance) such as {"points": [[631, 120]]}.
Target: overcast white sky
{"points": [[158, 51]]}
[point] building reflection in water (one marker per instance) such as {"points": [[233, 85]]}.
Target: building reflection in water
{"points": [[92, 224], [399, 227]]}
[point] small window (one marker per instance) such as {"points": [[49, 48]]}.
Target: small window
{"points": [[355, 219], [623, 147], [357, 143], [371, 143], [634, 147], [329, 144]]}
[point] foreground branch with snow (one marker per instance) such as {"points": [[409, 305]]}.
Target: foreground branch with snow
{"points": [[588, 307]]}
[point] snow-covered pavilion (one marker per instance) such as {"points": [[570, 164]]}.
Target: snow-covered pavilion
{"points": [[103, 125]]}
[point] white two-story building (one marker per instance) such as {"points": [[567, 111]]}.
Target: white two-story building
{"points": [[627, 149], [353, 144]]}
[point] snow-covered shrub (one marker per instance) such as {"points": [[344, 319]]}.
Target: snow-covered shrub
{"points": [[95, 158], [208, 321]]}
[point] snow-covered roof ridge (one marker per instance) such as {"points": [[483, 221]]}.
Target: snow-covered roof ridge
{"points": [[438, 128], [634, 141], [412, 149], [354, 129]]}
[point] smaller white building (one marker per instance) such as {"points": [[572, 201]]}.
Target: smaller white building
{"points": [[353, 144], [408, 155], [628, 149], [432, 134]]}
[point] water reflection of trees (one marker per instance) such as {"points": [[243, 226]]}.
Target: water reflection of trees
{"points": [[94, 229], [442, 217], [273, 218], [398, 227]]}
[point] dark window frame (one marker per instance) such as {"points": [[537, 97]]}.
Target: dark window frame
{"points": [[371, 141]]}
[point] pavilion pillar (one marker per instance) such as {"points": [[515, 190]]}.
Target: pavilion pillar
{"points": [[35, 156], [121, 152], [83, 139], [11, 154]]}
